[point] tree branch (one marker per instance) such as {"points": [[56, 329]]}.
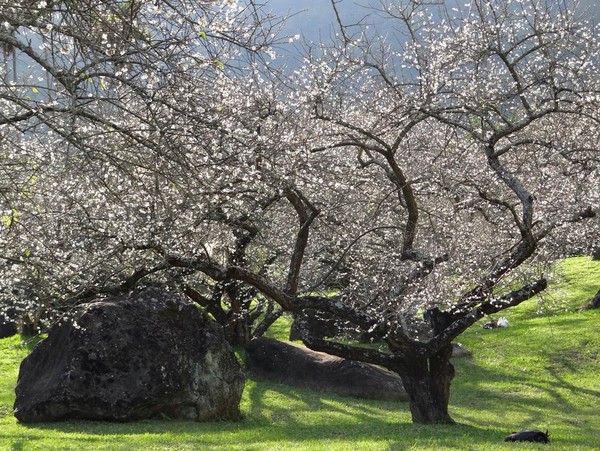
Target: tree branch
{"points": [[390, 361], [465, 320], [307, 213]]}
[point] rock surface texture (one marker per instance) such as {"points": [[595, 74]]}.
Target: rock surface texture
{"points": [[299, 366], [145, 355], [8, 325], [595, 301]]}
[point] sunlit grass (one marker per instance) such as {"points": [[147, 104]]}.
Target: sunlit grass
{"points": [[572, 284], [541, 372], [281, 328], [578, 279]]}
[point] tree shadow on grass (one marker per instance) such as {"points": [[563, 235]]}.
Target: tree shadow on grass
{"points": [[540, 401], [308, 400], [279, 416], [358, 420]]}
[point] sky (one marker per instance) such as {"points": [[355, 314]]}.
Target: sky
{"points": [[313, 18]]}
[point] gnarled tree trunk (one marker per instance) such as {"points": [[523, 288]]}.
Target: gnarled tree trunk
{"points": [[427, 382]]}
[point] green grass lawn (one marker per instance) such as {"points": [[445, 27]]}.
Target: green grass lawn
{"points": [[541, 372]]}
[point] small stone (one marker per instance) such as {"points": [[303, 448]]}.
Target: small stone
{"points": [[459, 350]]}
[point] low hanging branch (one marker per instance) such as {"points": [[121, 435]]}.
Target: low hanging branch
{"points": [[462, 322]]}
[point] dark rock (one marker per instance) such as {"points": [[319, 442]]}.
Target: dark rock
{"points": [[314, 323], [145, 355], [8, 324], [596, 253], [325, 325], [296, 365], [594, 302]]}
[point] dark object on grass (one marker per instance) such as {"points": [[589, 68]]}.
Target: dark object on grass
{"points": [[149, 354], [296, 365], [529, 436]]}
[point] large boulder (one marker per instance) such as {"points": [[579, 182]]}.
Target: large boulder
{"points": [[296, 365], [145, 355]]}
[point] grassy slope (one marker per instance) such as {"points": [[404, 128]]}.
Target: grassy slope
{"points": [[542, 372]]}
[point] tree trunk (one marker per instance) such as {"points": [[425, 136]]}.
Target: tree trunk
{"points": [[427, 382], [237, 331]]}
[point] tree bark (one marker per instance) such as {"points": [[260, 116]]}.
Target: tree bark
{"points": [[426, 379], [427, 382], [237, 332]]}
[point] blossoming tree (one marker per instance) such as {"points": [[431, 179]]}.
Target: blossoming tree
{"points": [[436, 171]]}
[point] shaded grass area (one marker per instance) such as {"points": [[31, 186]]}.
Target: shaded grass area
{"points": [[541, 372]]}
